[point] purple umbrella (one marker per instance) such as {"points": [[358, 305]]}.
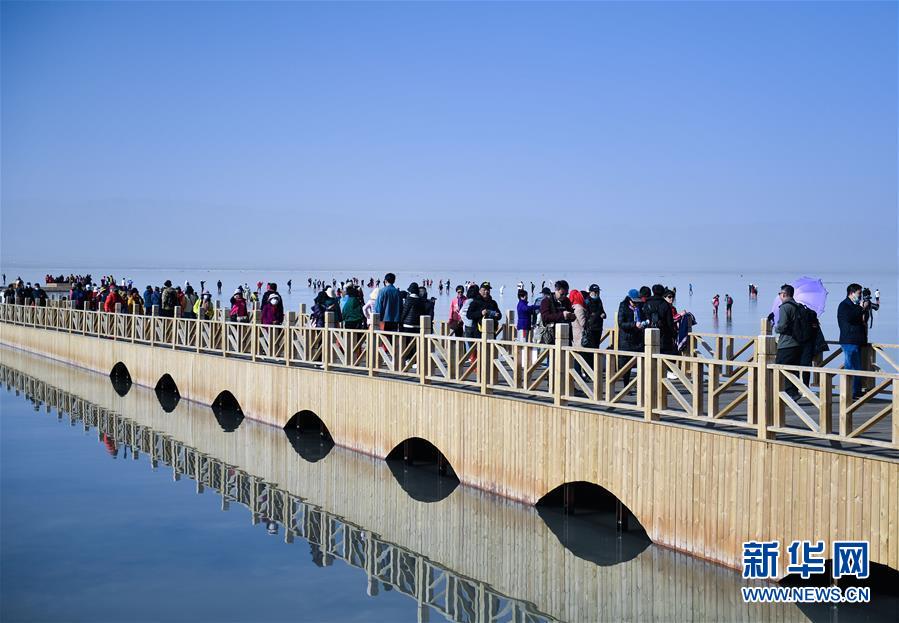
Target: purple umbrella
{"points": [[808, 291]]}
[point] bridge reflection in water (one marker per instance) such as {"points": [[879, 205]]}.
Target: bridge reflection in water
{"points": [[468, 556]]}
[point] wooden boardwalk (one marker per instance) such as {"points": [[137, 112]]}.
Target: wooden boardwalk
{"points": [[470, 557], [707, 451]]}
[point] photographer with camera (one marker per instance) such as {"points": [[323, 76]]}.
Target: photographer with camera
{"points": [[852, 316]]}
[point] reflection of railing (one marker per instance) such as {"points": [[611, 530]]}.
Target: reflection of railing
{"points": [[724, 380], [456, 597]]}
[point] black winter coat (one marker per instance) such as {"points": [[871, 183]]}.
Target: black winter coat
{"points": [[629, 336], [853, 324], [658, 311]]}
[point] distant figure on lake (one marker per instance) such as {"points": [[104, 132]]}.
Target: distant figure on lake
{"points": [[219, 284], [728, 304], [715, 302]]}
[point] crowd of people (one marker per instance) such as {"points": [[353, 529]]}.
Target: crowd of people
{"points": [[800, 338]]}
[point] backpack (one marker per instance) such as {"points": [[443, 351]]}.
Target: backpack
{"points": [[545, 333], [652, 316], [169, 299], [805, 323]]}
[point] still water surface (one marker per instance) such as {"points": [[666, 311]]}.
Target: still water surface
{"points": [[113, 508]]}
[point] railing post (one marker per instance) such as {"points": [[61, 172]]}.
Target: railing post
{"points": [[154, 318], [895, 414], [651, 371], [115, 320], [764, 326], [175, 318], [825, 402], [485, 365], [290, 319], [326, 340], [510, 325], [87, 308], [198, 325], [224, 321], [373, 343], [558, 362], [254, 334], [424, 353], [766, 350]]}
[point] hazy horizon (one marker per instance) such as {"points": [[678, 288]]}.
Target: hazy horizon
{"points": [[529, 136]]}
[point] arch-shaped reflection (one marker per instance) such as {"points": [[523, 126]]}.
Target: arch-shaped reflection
{"points": [[422, 470], [592, 523], [883, 582], [309, 436], [121, 379], [227, 411], [167, 393]]}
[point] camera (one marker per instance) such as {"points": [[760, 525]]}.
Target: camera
{"points": [[866, 297]]}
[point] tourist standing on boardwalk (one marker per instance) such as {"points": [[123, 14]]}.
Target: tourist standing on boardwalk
{"points": [[454, 323], [351, 309], [469, 325], [557, 309], [389, 305], [112, 299], [169, 299], [579, 324], [482, 307], [657, 313], [789, 350], [148, 300], [135, 302], [630, 328], [189, 302], [239, 307], [272, 308], [523, 314], [413, 309], [369, 307], [852, 316], [596, 314]]}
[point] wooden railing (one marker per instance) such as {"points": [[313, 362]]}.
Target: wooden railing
{"points": [[728, 382]]}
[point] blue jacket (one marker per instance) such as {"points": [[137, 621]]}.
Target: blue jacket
{"points": [[389, 305], [156, 299], [523, 315], [148, 299]]}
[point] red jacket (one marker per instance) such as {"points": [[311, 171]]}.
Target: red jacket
{"points": [[111, 301]]}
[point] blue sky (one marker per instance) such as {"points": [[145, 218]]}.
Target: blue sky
{"points": [[450, 135]]}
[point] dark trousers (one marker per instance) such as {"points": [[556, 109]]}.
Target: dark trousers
{"points": [[806, 358], [791, 356], [389, 326]]}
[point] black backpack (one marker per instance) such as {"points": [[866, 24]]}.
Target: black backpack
{"points": [[805, 323], [652, 315]]}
